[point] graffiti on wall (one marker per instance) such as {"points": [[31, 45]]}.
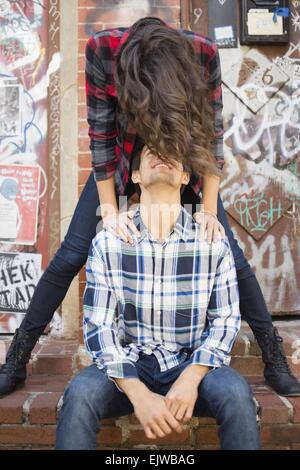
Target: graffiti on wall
{"points": [[25, 59], [261, 183]]}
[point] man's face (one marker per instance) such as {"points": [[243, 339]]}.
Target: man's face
{"points": [[153, 171]]}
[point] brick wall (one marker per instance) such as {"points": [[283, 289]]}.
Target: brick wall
{"points": [[96, 15]]}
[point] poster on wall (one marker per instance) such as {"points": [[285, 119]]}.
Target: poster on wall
{"points": [[10, 108], [19, 200], [19, 275]]}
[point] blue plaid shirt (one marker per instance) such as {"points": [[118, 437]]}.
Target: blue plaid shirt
{"points": [[170, 298]]}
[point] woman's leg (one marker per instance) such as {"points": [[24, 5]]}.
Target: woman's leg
{"points": [[252, 303], [67, 262]]}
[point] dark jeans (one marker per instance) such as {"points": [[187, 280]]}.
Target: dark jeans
{"points": [[72, 255], [223, 394]]}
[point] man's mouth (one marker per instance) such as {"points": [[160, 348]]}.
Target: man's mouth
{"points": [[161, 164]]}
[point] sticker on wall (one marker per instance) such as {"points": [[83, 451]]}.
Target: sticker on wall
{"points": [[261, 22], [19, 200], [255, 79], [19, 275], [10, 108], [291, 67], [222, 20]]}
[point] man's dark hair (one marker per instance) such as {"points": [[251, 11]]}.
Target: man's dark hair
{"points": [[162, 92]]}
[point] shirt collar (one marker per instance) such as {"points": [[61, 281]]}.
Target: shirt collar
{"points": [[125, 36], [182, 225]]}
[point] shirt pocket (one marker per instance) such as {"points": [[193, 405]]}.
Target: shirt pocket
{"points": [[186, 318]]}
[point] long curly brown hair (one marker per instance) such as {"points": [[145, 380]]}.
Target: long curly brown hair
{"points": [[163, 95]]}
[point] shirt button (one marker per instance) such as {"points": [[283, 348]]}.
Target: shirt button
{"points": [[158, 312], [148, 351]]}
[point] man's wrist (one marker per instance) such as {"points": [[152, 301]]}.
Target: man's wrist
{"points": [[196, 372], [132, 387]]}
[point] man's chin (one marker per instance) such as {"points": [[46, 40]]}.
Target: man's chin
{"points": [[163, 183]]}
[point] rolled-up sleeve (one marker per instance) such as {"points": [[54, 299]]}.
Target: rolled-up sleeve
{"points": [[101, 114], [223, 314]]}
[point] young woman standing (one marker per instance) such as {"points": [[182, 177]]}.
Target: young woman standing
{"points": [[143, 85]]}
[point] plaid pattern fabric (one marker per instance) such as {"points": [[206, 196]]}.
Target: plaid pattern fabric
{"points": [[170, 299], [112, 139]]}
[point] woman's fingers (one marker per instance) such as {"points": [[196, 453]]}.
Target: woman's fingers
{"points": [[209, 224], [132, 226], [210, 230], [125, 222], [111, 230], [202, 227], [222, 231], [219, 232], [118, 225], [130, 213], [124, 232], [216, 233]]}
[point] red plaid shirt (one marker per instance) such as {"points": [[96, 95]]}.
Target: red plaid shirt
{"points": [[112, 139]]}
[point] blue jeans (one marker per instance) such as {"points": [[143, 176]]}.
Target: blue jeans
{"points": [[72, 254], [223, 394]]}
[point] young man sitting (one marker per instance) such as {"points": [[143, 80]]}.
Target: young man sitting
{"points": [[160, 318]]}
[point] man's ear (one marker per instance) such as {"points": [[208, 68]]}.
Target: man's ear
{"points": [[135, 176], [185, 178]]}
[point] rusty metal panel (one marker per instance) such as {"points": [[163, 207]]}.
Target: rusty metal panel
{"points": [[260, 187]]}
